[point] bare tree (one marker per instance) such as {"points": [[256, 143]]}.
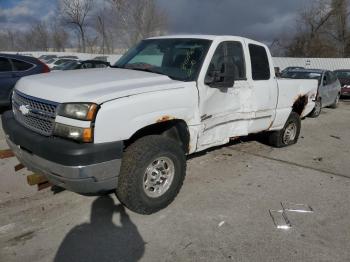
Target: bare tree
{"points": [[59, 37], [339, 30], [39, 37], [139, 19], [75, 13], [104, 29], [313, 25]]}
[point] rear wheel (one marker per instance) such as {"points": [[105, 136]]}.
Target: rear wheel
{"points": [[317, 109], [152, 173], [336, 102], [289, 135]]}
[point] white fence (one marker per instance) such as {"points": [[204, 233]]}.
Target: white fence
{"points": [[281, 62]]}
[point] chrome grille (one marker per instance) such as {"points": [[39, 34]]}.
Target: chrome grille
{"points": [[34, 113]]}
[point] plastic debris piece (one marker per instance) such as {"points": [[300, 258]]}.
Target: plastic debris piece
{"points": [[44, 186], [221, 223], [6, 154], [280, 219], [19, 167], [299, 208]]}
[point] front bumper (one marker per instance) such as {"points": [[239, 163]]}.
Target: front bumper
{"points": [[81, 168]]}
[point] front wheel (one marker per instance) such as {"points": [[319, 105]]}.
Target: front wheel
{"points": [[152, 173], [289, 135], [336, 102], [317, 109]]}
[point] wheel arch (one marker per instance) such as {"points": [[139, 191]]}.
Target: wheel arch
{"points": [[300, 104], [176, 129]]}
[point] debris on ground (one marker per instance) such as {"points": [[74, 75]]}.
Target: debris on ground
{"points": [[221, 223], [319, 159], [7, 153], [280, 218], [298, 208]]}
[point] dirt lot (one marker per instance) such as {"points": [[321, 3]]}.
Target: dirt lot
{"points": [[221, 213]]}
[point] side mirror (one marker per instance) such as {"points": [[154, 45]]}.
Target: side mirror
{"points": [[223, 78]]}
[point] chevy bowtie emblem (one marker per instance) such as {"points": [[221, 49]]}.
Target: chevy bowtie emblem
{"points": [[24, 109]]}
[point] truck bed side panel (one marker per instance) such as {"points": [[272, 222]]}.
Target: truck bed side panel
{"points": [[290, 90]]}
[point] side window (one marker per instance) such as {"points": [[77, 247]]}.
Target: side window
{"points": [[5, 65], [21, 65], [235, 52], [260, 62], [326, 79], [333, 77], [215, 63], [232, 51]]}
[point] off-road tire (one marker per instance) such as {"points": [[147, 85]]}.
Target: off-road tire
{"points": [[336, 102], [316, 112], [137, 157], [276, 138]]}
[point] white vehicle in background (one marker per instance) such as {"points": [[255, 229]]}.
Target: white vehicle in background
{"points": [[57, 62], [128, 129], [329, 89], [45, 58]]}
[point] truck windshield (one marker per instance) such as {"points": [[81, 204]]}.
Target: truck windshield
{"points": [[179, 59]]}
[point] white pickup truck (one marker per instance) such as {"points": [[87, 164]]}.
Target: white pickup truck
{"points": [[129, 128]]}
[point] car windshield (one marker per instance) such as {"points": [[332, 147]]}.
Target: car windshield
{"points": [[51, 60], [62, 61], [179, 59], [343, 74], [71, 65], [302, 75]]}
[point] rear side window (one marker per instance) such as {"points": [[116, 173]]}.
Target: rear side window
{"points": [[21, 65], [5, 65], [260, 62]]}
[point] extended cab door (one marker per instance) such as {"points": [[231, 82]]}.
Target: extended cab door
{"points": [[247, 107], [221, 108], [261, 102]]}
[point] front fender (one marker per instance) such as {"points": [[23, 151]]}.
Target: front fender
{"points": [[121, 118]]}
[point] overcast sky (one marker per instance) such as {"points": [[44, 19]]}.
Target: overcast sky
{"points": [[259, 19]]}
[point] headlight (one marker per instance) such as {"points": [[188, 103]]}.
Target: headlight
{"points": [[76, 133], [81, 111]]}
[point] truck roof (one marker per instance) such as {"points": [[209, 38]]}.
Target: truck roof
{"points": [[199, 36]]}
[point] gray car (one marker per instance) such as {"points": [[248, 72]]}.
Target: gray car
{"points": [[329, 89]]}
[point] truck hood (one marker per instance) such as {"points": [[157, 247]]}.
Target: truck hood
{"points": [[94, 85]]}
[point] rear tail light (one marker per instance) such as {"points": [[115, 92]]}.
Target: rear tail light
{"points": [[46, 69]]}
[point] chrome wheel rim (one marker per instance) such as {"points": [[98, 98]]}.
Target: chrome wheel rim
{"points": [[337, 99], [290, 133], [317, 108], [158, 177]]}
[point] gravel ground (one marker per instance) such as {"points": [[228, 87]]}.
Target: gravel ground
{"points": [[221, 213]]}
